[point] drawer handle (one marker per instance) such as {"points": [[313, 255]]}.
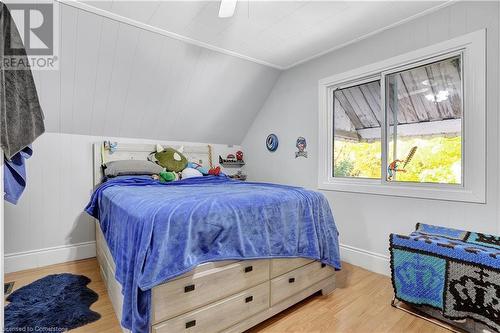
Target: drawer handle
{"points": [[291, 280], [248, 269], [189, 288], [248, 299], [323, 265], [191, 323]]}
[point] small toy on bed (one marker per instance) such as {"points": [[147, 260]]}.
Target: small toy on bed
{"points": [[215, 171], [167, 176], [202, 170], [170, 159], [190, 173], [199, 167]]}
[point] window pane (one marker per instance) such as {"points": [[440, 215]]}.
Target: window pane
{"points": [[424, 109], [357, 131]]}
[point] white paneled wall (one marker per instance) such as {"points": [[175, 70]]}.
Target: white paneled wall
{"points": [[365, 221], [119, 80], [116, 80], [48, 225]]}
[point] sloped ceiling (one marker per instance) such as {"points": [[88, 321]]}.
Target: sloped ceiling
{"points": [[119, 80], [279, 33]]}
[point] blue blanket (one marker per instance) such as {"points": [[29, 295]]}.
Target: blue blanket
{"points": [[451, 243], [157, 231], [454, 271], [14, 175]]}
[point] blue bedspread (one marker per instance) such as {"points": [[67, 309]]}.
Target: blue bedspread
{"points": [[156, 231]]}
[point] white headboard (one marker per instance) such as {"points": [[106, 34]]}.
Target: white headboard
{"points": [[201, 154]]}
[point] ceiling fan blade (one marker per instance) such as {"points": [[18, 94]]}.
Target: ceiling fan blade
{"points": [[227, 8]]}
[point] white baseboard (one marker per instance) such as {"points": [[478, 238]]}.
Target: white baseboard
{"points": [[14, 262], [371, 261], [53, 255]]}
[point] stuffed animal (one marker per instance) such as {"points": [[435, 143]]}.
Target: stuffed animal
{"points": [[170, 159], [214, 171], [198, 167], [190, 173], [168, 176]]}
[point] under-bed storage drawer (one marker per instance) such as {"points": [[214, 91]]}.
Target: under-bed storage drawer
{"points": [[185, 294], [219, 315], [282, 266], [297, 280]]}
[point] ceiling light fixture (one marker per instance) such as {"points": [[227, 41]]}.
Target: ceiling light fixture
{"points": [[227, 8]]}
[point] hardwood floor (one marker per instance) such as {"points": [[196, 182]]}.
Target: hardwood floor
{"points": [[361, 303]]}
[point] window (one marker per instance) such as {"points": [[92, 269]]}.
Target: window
{"points": [[410, 126], [357, 138], [424, 108]]}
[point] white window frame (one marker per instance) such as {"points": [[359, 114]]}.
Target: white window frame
{"points": [[472, 48]]}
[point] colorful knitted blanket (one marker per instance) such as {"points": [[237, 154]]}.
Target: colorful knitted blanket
{"points": [[456, 272]]}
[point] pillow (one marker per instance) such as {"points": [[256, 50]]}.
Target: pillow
{"points": [[131, 167]]}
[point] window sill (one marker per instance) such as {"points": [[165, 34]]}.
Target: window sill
{"points": [[411, 190]]}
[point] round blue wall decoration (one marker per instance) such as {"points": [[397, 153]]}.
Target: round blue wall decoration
{"points": [[272, 142]]}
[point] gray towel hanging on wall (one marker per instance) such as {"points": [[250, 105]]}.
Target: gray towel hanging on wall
{"points": [[21, 117]]}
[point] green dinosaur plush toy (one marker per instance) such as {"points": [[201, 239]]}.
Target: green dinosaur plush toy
{"points": [[171, 159], [168, 176]]}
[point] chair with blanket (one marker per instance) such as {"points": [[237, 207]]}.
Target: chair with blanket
{"points": [[452, 275]]}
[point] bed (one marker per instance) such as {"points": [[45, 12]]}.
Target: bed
{"points": [[207, 254]]}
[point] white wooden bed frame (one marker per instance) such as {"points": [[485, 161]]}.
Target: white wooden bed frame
{"points": [[225, 296]]}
